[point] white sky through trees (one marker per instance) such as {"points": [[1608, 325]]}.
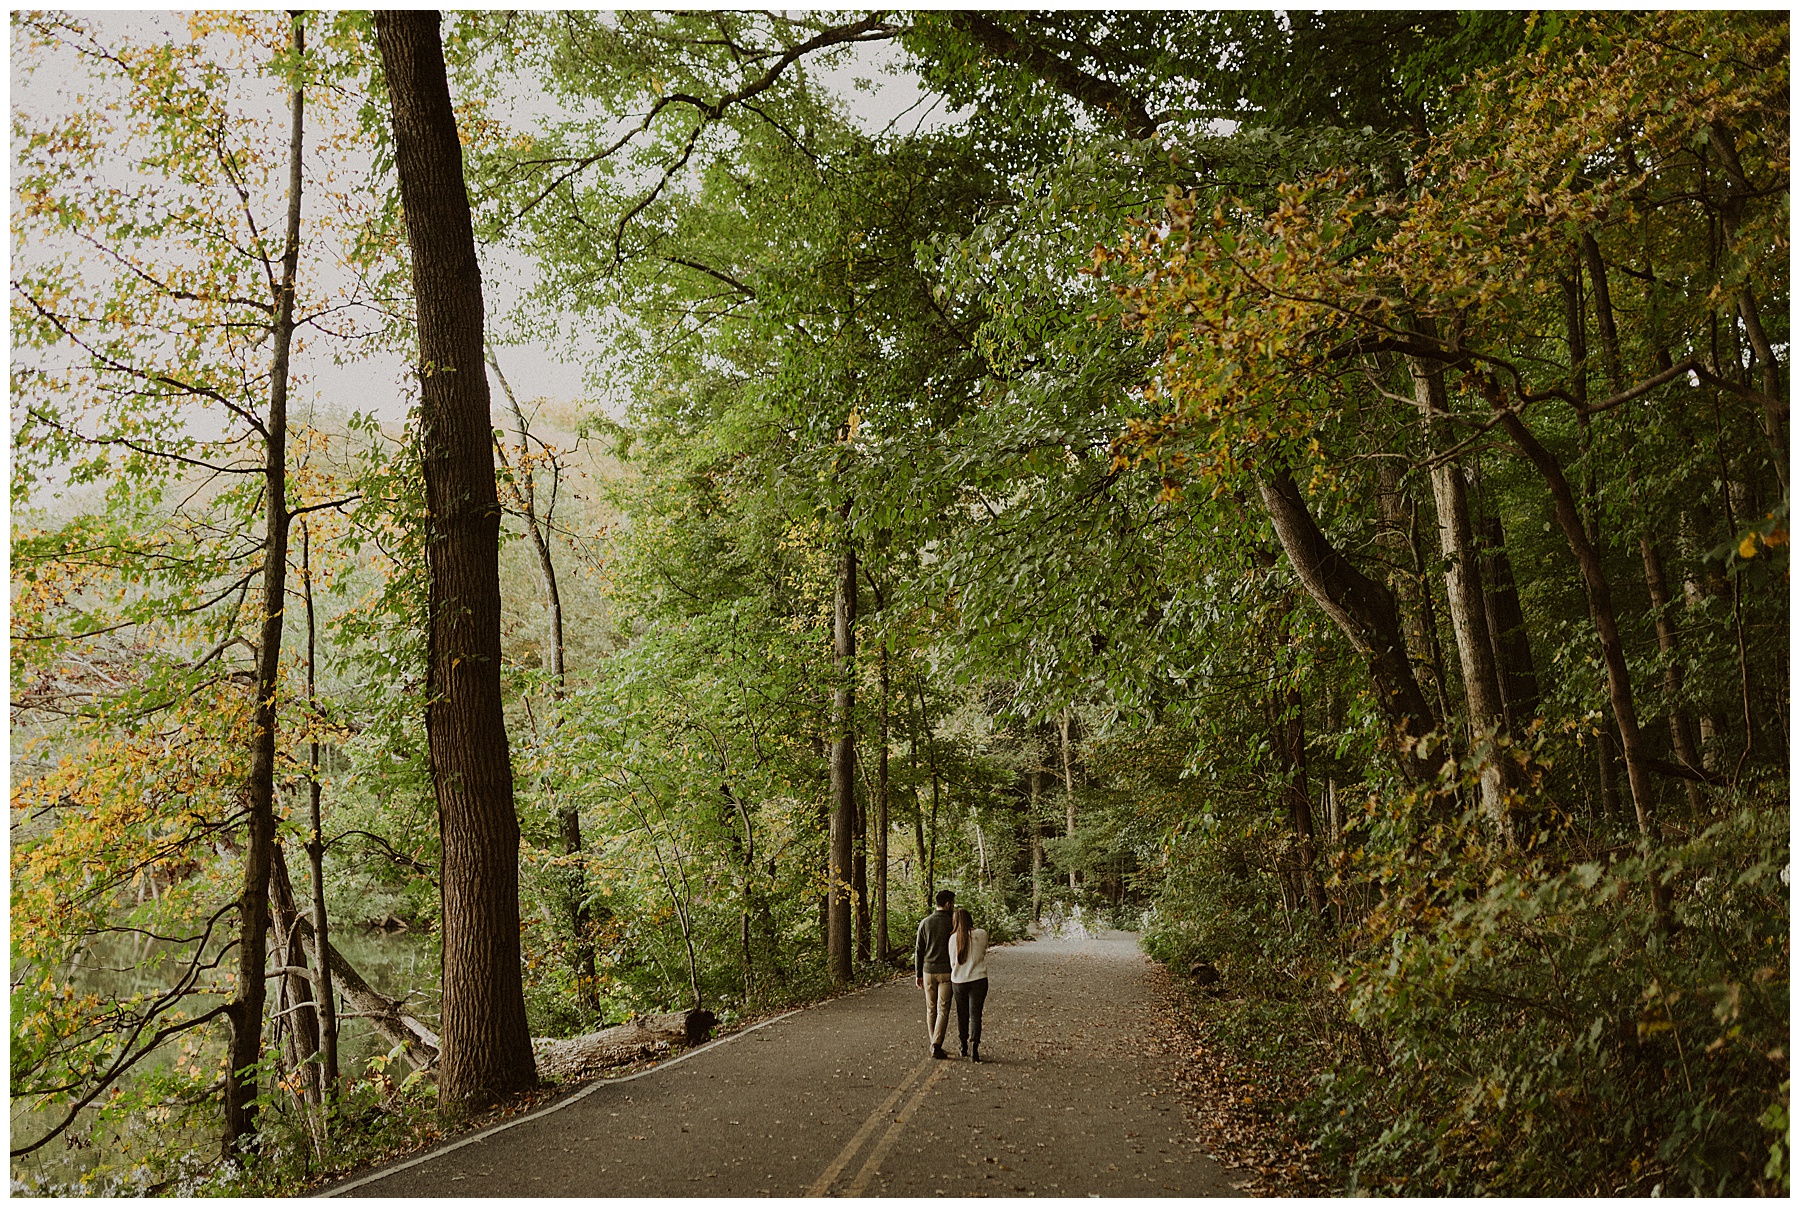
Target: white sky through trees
{"points": [[330, 378]]}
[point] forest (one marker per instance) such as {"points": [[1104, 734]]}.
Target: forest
{"points": [[1308, 488]]}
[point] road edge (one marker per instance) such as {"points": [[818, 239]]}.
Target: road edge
{"points": [[438, 1151]]}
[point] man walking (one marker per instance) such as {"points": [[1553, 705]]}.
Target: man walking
{"points": [[931, 969]]}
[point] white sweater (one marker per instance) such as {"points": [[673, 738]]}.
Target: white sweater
{"points": [[974, 967]]}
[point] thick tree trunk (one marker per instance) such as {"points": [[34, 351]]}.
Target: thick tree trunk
{"points": [[843, 765], [246, 1009], [486, 1042], [1364, 610], [1463, 592]]}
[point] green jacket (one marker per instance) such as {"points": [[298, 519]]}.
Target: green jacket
{"points": [[931, 954]]}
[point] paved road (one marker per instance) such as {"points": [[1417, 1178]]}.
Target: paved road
{"points": [[844, 1099]]}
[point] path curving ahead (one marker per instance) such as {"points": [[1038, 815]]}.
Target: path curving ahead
{"points": [[844, 1099]]}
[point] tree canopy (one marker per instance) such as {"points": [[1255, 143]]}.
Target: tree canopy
{"points": [[1310, 488]]}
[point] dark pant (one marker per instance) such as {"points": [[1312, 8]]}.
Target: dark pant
{"points": [[970, 998]]}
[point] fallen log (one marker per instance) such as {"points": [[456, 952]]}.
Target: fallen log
{"points": [[397, 1025], [637, 1039], [388, 1016]]}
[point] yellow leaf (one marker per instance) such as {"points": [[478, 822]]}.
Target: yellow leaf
{"points": [[1747, 547]]}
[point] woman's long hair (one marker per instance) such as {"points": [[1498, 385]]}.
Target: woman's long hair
{"points": [[963, 924]]}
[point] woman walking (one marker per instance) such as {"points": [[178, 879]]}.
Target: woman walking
{"points": [[968, 980]]}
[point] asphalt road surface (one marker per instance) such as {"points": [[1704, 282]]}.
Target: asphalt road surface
{"points": [[1070, 1099]]}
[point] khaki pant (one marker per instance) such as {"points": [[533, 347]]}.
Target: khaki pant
{"points": [[937, 1006]]}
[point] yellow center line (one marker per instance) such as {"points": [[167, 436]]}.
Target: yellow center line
{"points": [[838, 1164], [887, 1139]]}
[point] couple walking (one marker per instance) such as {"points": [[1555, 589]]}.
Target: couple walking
{"points": [[950, 961]]}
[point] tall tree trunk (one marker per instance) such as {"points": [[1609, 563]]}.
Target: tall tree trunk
{"points": [[1655, 578], [1068, 770], [246, 1009], [859, 876], [1292, 746], [1364, 610], [932, 831], [1506, 625], [1462, 585], [568, 815], [1723, 142], [1587, 508], [882, 944], [843, 761], [919, 807], [315, 842], [486, 1041], [1600, 608], [1398, 535], [1037, 851]]}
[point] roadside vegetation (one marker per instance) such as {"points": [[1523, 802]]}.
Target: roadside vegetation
{"points": [[1311, 489]]}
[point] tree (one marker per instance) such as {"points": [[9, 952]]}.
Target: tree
{"points": [[487, 1043], [154, 369], [246, 1012], [843, 758]]}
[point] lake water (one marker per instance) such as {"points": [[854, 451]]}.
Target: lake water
{"points": [[391, 963]]}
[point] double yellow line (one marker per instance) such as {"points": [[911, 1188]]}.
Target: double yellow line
{"points": [[881, 1114]]}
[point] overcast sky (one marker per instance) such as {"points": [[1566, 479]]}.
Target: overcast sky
{"points": [[539, 370], [379, 385]]}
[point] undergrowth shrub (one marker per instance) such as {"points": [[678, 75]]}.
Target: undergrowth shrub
{"points": [[1504, 1020], [989, 908], [1544, 1030]]}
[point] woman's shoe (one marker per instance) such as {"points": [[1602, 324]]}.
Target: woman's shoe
{"points": [[976, 1055]]}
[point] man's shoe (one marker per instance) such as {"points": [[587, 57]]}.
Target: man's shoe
{"points": [[937, 1051], [965, 1048], [976, 1055]]}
